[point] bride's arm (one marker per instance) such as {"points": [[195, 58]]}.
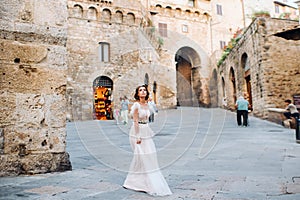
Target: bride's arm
{"points": [[136, 125]]}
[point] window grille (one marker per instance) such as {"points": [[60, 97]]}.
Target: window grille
{"points": [[163, 29]]}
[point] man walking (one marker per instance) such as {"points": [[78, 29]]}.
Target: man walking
{"points": [[242, 110], [153, 109], [291, 110]]}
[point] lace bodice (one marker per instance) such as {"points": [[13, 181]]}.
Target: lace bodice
{"points": [[143, 111]]}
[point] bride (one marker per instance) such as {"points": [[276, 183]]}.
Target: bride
{"points": [[144, 173]]}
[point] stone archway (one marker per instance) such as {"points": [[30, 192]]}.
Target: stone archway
{"points": [[102, 91], [213, 88], [223, 88], [232, 88], [188, 77], [247, 75]]}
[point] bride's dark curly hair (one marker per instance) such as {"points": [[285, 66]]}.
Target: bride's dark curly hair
{"points": [[136, 95]]}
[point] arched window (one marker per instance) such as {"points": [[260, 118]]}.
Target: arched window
{"points": [[245, 62], [77, 11], [103, 81], [106, 14], [119, 17], [178, 10], [130, 18], [92, 13], [104, 52], [168, 10]]}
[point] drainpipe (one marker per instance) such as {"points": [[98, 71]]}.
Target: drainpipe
{"points": [[298, 3], [211, 40], [243, 10]]}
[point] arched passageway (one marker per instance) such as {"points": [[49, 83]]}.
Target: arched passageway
{"points": [[213, 89], [188, 77]]}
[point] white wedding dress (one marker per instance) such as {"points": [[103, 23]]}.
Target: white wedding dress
{"points": [[144, 173]]}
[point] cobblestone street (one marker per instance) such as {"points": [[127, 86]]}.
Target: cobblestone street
{"points": [[202, 153]]}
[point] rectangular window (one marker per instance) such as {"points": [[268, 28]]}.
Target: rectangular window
{"points": [[276, 9], [163, 29], [103, 52], [222, 44], [191, 3], [185, 28], [219, 9]]}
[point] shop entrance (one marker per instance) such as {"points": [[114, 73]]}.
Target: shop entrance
{"points": [[102, 90]]}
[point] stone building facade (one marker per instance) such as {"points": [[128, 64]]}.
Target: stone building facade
{"points": [[33, 65], [135, 53], [76, 58], [264, 64], [172, 46], [116, 45]]}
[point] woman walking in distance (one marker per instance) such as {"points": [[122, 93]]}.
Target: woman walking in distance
{"points": [[144, 173]]}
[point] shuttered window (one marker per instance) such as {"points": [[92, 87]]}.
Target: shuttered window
{"points": [[103, 52]]}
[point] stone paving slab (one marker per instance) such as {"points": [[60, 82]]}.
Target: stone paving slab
{"points": [[202, 152]]}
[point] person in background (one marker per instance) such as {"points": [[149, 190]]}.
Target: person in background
{"points": [[242, 111], [153, 109], [224, 102], [291, 110], [124, 110], [116, 114]]}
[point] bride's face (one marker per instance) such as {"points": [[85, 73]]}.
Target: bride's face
{"points": [[142, 92]]}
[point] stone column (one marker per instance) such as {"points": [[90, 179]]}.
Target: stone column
{"points": [[33, 84]]}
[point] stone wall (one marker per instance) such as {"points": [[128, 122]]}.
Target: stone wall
{"points": [[126, 67], [272, 63], [33, 86], [135, 52]]}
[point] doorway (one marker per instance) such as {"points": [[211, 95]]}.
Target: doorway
{"points": [[246, 67], [248, 89], [102, 90], [232, 80]]}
